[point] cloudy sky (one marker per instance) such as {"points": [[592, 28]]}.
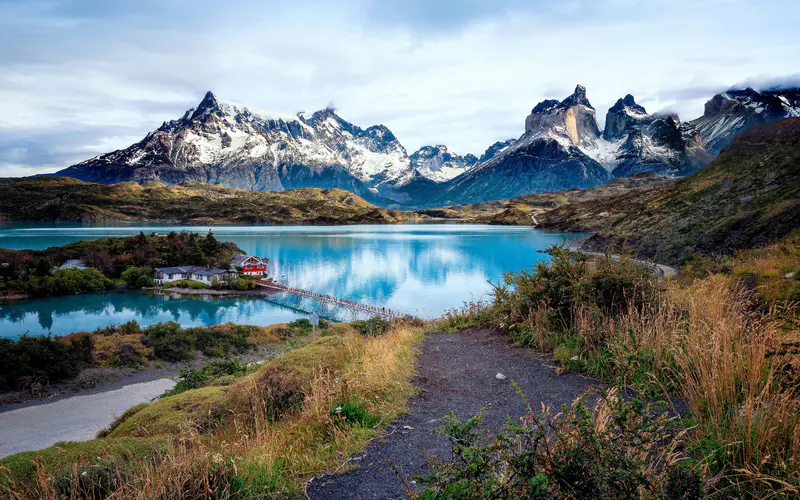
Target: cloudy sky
{"points": [[82, 77]]}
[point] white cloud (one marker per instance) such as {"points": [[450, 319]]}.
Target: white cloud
{"points": [[82, 76]]}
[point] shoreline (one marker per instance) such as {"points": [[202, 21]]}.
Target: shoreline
{"points": [[176, 290], [116, 378], [207, 291]]}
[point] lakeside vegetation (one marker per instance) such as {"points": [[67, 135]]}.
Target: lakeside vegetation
{"points": [[110, 262], [722, 340], [262, 434], [31, 364]]}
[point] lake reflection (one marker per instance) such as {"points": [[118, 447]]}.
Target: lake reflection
{"points": [[417, 269]]}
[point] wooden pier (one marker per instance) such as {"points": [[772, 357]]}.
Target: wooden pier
{"points": [[330, 299]]}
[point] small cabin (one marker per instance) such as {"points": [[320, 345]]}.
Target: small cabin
{"points": [[195, 273], [249, 264]]}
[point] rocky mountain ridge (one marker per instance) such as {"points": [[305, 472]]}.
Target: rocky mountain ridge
{"points": [[227, 144], [562, 147]]}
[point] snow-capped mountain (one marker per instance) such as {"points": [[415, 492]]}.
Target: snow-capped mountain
{"points": [[635, 141], [549, 156], [562, 148], [735, 111], [227, 144], [439, 165]]}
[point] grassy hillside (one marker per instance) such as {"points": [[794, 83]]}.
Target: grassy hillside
{"points": [[748, 196], [61, 199], [519, 210], [262, 435]]}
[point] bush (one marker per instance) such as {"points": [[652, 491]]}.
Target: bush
{"points": [[170, 342], [243, 284], [191, 284], [70, 281], [472, 314], [129, 328], [144, 281], [374, 326], [137, 277], [279, 393], [31, 361], [567, 283], [616, 451], [192, 379], [302, 325]]}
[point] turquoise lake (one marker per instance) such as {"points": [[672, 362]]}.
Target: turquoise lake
{"points": [[417, 269]]}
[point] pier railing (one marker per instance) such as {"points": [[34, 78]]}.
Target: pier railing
{"points": [[330, 299]]}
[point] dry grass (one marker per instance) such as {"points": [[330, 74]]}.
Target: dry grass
{"points": [[708, 343], [719, 344], [254, 452]]}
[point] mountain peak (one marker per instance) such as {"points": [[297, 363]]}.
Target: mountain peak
{"points": [[209, 101], [577, 97], [207, 105], [629, 104]]}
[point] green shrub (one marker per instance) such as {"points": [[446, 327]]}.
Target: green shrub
{"points": [[243, 284], [617, 451], [568, 280], [145, 281], [191, 284], [190, 378], [353, 413], [129, 328], [615, 285], [302, 325], [374, 326], [137, 277], [68, 282], [472, 314], [169, 341], [31, 361]]}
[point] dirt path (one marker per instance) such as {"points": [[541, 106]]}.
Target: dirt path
{"points": [[456, 372]]}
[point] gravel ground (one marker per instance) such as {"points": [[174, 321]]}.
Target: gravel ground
{"points": [[71, 419], [456, 372]]}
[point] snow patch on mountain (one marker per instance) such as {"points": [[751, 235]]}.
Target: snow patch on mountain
{"points": [[438, 164]]}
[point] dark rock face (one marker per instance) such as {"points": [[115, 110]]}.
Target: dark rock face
{"points": [[529, 166], [494, 149], [623, 117], [735, 111], [572, 119]]}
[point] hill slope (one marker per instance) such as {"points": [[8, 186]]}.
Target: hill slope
{"points": [[518, 211], [62, 199], [748, 196]]}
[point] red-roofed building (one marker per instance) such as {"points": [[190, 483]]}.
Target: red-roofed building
{"points": [[249, 264]]}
